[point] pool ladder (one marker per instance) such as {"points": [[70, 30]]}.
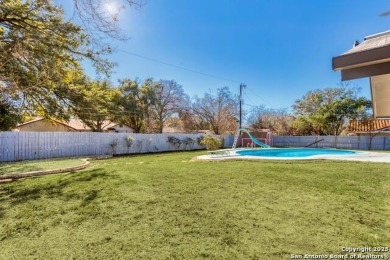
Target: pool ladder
{"points": [[236, 139]]}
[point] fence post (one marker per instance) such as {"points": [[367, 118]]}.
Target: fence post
{"points": [[358, 143]]}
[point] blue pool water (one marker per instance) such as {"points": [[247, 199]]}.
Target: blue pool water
{"points": [[293, 152]]}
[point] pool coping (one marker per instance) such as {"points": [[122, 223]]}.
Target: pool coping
{"points": [[360, 156]]}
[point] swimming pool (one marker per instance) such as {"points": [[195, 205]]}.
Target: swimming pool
{"points": [[293, 152]]}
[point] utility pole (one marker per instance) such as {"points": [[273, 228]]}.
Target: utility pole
{"points": [[242, 86]]}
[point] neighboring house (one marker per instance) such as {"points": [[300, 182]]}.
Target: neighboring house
{"points": [[41, 124], [173, 129], [377, 127], [118, 128], [181, 130]]}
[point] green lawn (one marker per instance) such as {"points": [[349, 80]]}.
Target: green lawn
{"points": [[29, 166], [162, 206]]}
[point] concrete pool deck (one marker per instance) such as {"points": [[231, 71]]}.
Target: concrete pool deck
{"points": [[380, 157]]}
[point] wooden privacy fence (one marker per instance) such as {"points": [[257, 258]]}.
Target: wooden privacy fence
{"points": [[342, 142], [15, 146]]}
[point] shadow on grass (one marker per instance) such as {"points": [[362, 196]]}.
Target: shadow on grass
{"points": [[77, 186], [2, 209], [90, 196]]}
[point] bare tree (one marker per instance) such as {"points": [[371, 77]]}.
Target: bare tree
{"points": [[218, 113], [277, 120], [103, 16], [167, 98]]}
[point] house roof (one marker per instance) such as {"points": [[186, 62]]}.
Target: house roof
{"points": [[31, 121], [368, 125], [81, 126], [42, 118], [73, 123], [372, 42], [369, 58], [171, 129]]}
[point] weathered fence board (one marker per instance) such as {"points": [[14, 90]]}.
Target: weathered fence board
{"points": [[15, 146]]}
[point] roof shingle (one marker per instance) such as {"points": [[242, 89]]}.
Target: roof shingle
{"points": [[371, 42], [368, 125]]}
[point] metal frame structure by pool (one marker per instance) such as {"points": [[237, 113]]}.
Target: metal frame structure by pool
{"points": [[230, 154]]}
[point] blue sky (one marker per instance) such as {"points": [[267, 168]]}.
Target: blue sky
{"points": [[280, 49]]}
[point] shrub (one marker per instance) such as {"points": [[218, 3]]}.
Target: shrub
{"points": [[139, 145], [176, 142], [199, 140], [211, 142], [189, 142], [129, 141], [113, 145]]}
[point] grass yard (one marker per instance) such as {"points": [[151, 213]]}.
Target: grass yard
{"points": [[162, 206], [29, 166]]}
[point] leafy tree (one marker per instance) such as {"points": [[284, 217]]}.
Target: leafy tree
{"points": [[95, 105], [132, 103], [40, 53], [9, 114], [302, 126], [327, 111], [218, 113]]}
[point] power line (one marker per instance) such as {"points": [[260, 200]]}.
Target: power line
{"points": [[257, 96], [250, 105], [178, 67]]}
